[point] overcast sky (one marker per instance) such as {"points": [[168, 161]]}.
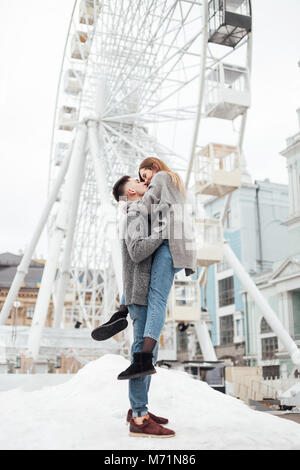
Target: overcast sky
{"points": [[32, 37]]}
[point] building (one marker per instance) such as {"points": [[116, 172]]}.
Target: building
{"points": [[280, 284], [23, 310], [255, 231]]}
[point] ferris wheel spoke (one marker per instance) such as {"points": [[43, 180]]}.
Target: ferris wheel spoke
{"points": [[125, 139], [117, 42], [183, 30], [162, 149], [115, 91], [183, 85], [149, 117], [127, 23], [165, 60], [112, 150], [148, 80], [181, 24], [129, 52], [163, 64], [122, 166], [107, 151], [153, 146]]}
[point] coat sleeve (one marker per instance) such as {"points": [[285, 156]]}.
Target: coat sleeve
{"points": [[139, 244]]}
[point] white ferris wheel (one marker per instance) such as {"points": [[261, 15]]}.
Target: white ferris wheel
{"points": [[139, 78]]}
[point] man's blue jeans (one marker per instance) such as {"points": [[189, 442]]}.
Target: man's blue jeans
{"points": [[149, 321]]}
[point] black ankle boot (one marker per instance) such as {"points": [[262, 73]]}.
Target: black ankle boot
{"points": [[114, 325], [141, 366]]}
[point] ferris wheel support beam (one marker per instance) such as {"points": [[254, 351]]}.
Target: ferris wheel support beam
{"points": [[244, 118], [61, 225], [262, 304], [201, 93], [204, 339], [66, 262], [22, 269], [95, 149]]}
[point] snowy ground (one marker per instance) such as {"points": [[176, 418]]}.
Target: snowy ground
{"points": [[89, 411]]}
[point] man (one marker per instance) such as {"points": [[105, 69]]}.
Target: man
{"points": [[138, 246]]}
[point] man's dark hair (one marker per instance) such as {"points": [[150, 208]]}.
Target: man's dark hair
{"points": [[118, 189]]}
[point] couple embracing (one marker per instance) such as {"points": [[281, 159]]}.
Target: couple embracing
{"points": [[157, 242]]}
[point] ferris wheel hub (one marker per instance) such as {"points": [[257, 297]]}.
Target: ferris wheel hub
{"points": [[91, 120]]}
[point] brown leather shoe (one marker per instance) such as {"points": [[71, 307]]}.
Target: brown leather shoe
{"points": [[157, 419], [149, 428]]}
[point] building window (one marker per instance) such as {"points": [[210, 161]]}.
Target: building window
{"points": [[226, 291], [264, 327], [226, 330], [30, 312], [271, 372], [269, 346]]}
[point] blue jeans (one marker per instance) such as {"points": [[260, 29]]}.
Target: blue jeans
{"points": [[149, 321], [139, 388]]}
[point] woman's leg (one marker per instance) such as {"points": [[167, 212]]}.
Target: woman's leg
{"points": [[162, 276]]}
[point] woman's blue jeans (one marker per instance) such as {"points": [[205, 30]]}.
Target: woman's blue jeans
{"points": [[149, 321]]}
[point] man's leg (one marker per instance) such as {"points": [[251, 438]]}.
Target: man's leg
{"points": [[114, 325], [138, 388], [141, 425]]}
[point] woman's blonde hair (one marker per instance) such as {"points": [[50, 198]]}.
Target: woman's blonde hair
{"points": [[149, 162]]}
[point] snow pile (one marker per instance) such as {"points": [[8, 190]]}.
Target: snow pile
{"points": [[89, 412]]}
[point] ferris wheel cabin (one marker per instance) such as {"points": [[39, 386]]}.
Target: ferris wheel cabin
{"points": [[80, 47], [185, 305], [72, 82], [217, 170], [88, 11], [229, 21], [68, 118], [209, 241], [228, 91]]}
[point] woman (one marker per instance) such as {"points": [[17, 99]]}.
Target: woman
{"points": [[165, 195], [165, 188]]}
